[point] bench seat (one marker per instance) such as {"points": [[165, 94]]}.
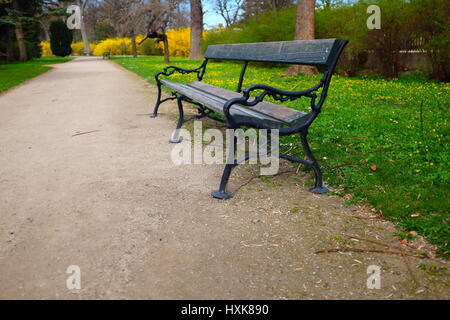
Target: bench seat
{"points": [[269, 114]]}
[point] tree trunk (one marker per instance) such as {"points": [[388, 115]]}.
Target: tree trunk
{"points": [[133, 45], [84, 36], [19, 35], [87, 49], [10, 46], [45, 26], [304, 30], [166, 49], [196, 29]]}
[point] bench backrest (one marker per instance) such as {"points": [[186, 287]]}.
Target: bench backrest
{"points": [[306, 52]]}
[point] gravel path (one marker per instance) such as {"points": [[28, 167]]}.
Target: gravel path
{"points": [[111, 202]]}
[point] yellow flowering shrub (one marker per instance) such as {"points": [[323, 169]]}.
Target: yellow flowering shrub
{"points": [[45, 48], [179, 42], [78, 48], [113, 46], [179, 45], [139, 38], [117, 46]]}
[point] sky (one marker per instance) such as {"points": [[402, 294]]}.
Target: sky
{"points": [[210, 18]]}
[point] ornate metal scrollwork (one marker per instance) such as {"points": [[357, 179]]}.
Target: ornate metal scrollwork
{"points": [[281, 95], [200, 71]]}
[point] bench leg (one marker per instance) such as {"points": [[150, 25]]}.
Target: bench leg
{"points": [[231, 163], [222, 193], [319, 187], [176, 134], [158, 101]]}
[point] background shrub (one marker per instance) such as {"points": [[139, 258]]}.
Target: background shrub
{"points": [[113, 46], [420, 25], [60, 39], [267, 26], [150, 48], [46, 51], [179, 42], [431, 20], [78, 48]]}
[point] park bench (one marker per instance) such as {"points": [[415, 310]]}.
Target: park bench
{"points": [[106, 55], [241, 109]]}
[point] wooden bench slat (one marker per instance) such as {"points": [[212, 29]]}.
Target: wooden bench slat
{"points": [[309, 52], [271, 109], [216, 103], [214, 98]]}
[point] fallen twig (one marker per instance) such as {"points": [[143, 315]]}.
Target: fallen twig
{"points": [[355, 216], [250, 245], [80, 133], [385, 244], [245, 183], [254, 177], [289, 150], [347, 249], [410, 271]]}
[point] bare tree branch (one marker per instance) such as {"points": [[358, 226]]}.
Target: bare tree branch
{"points": [[230, 10]]}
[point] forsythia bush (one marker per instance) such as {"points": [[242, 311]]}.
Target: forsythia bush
{"points": [[117, 46], [139, 38], [78, 48], [45, 48], [179, 42], [179, 45]]}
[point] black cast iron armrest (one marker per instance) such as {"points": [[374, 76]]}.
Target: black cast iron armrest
{"points": [[275, 93], [278, 94], [169, 70]]}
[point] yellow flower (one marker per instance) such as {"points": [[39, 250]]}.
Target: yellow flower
{"points": [[45, 48]]}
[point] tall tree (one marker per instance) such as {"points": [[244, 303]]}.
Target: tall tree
{"points": [[158, 15], [131, 21], [304, 30], [51, 10], [196, 29], [431, 20], [20, 34], [20, 16], [82, 4]]}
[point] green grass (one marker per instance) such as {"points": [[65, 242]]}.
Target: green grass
{"points": [[12, 74], [383, 141]]}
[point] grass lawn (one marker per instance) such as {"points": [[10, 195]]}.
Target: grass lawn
{"points": [[12, 74], [385, 142]]}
